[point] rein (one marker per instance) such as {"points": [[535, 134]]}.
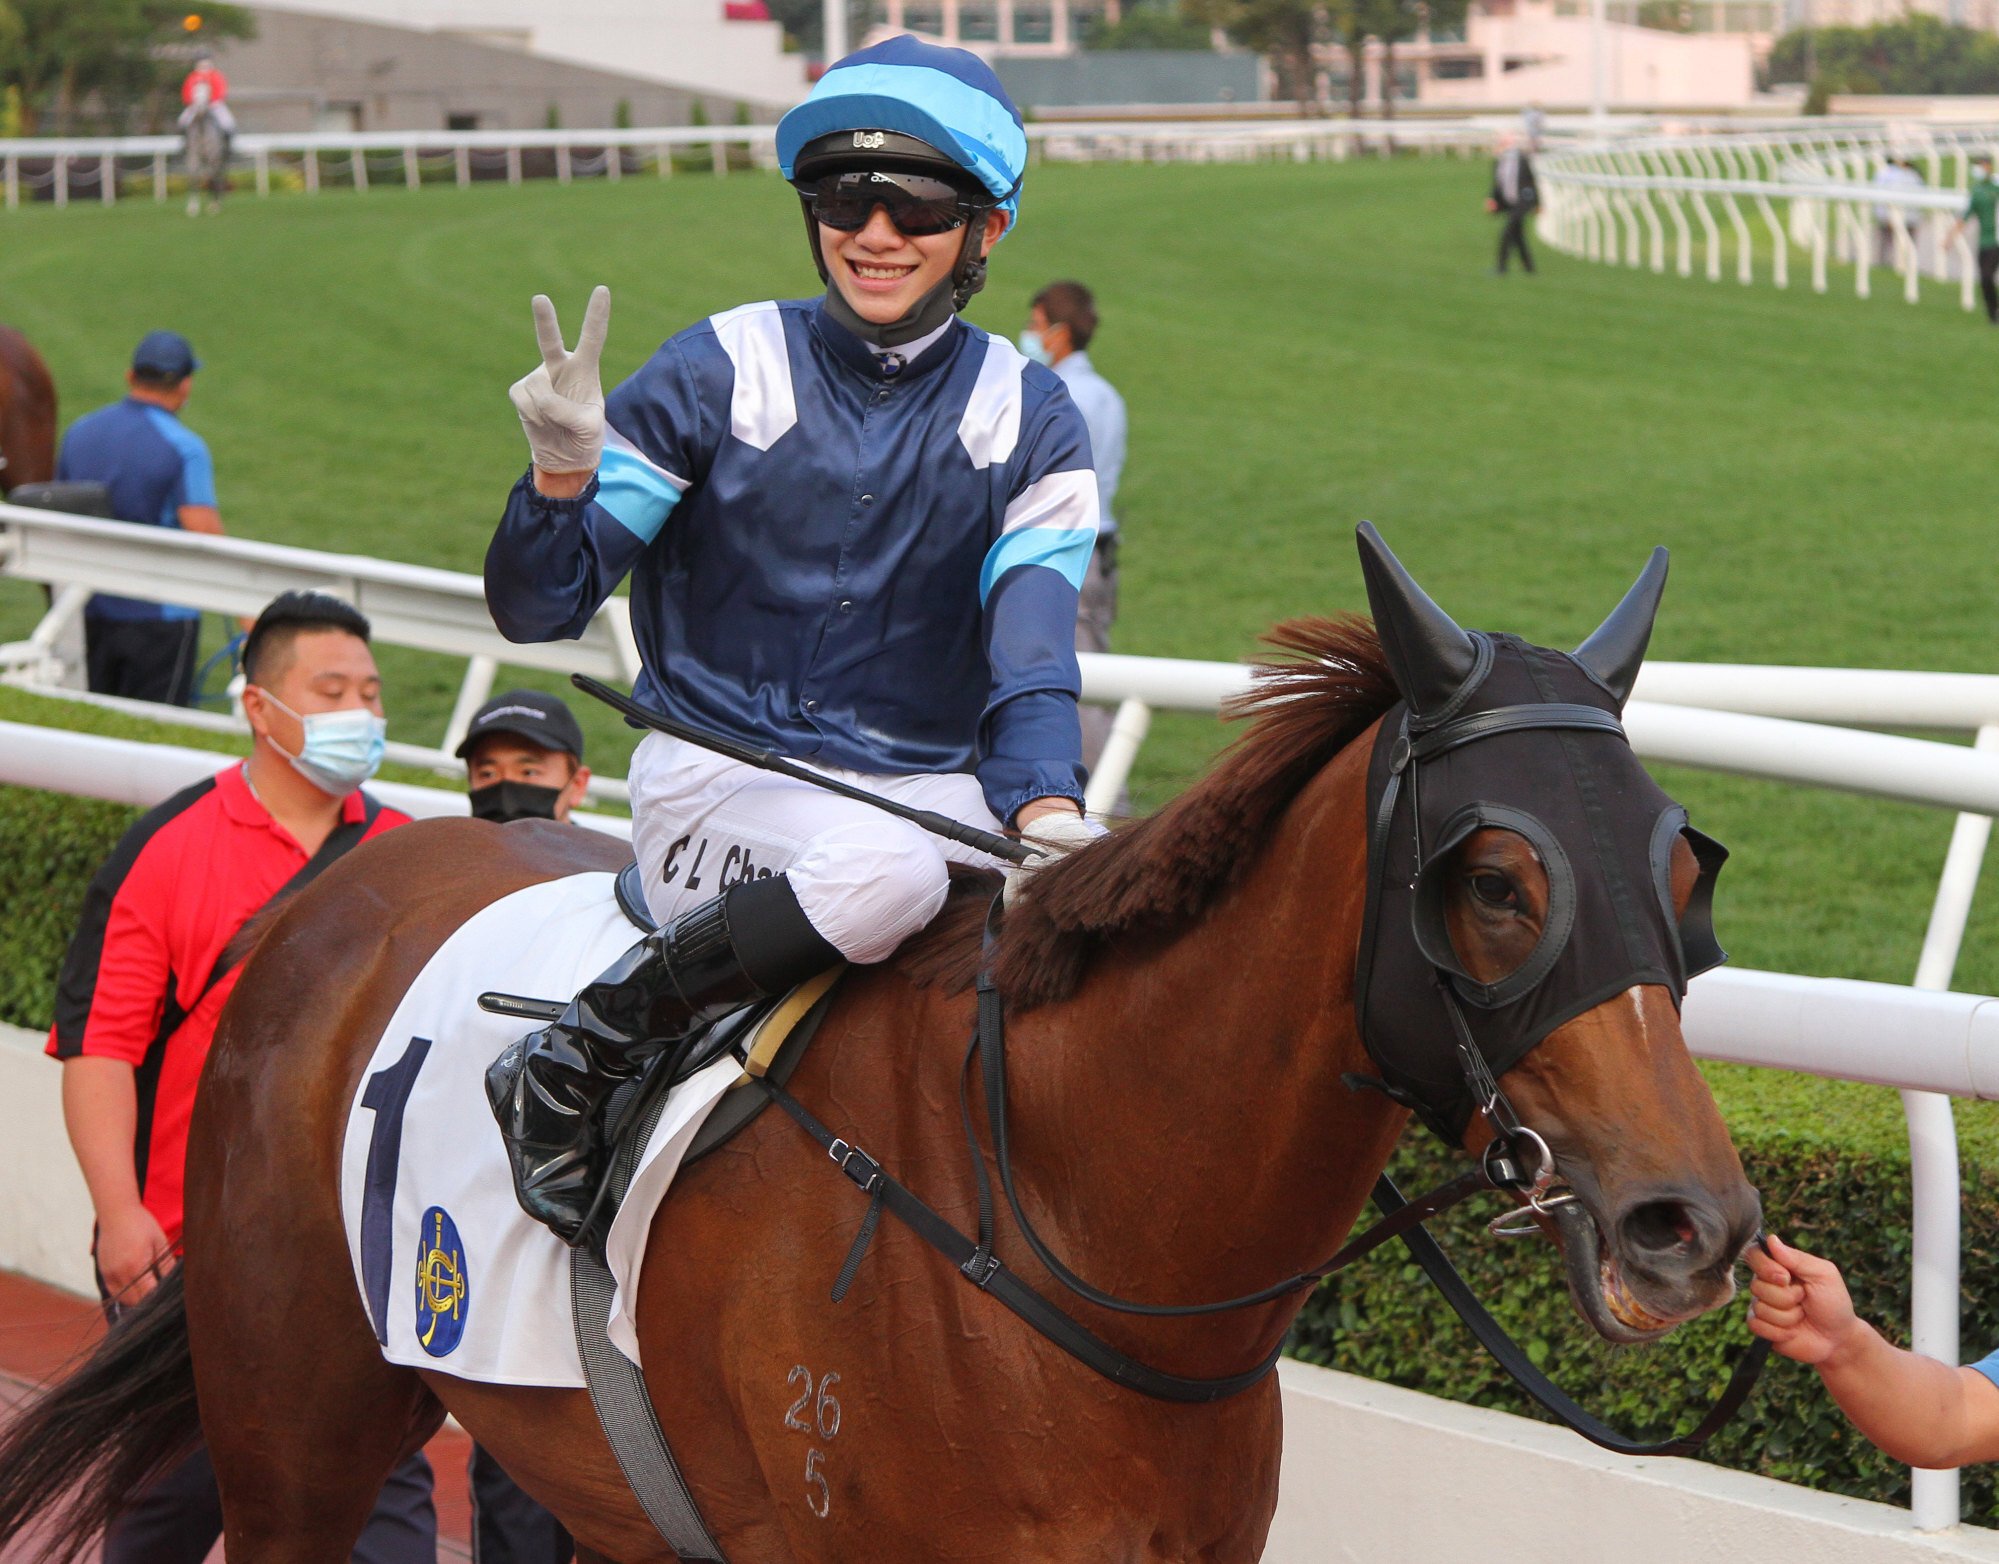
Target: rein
{"points": [[1401, 1218], [1501, 1166]]}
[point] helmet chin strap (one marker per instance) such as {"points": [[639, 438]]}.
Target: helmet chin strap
{"points": [[967, 277]]}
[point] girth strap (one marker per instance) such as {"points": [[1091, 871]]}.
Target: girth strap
{"points": [[617, 1388]]}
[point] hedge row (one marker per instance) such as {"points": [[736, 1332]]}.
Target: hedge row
{"points": [[49, 848], [1847, 1201], [1830, 1159]]}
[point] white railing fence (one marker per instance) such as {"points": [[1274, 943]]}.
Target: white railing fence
{"points": [[103, 169], [107, 168], [1764, 199], [1728, 717]]}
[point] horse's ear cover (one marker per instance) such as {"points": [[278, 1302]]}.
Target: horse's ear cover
{"points": [[1430, 657], [1616, 648], [1605, 833]]}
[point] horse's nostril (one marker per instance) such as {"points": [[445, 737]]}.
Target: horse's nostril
{"points": [[1662, 1229]]}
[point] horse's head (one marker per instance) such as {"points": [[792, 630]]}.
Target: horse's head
{"points": [[1536, 906]]}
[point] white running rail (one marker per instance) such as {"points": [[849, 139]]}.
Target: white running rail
{"points": [[1728, 717], [1764, 199], [105, 168]]}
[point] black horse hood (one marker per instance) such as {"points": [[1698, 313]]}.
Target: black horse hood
{"points": [[1496, 732]]}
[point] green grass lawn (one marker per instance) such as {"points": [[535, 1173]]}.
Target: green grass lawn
{"points": [[1301, 346]]}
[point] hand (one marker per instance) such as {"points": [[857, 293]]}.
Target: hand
{"points": [[1491, 205], [561, 400], [1053, 828], [131, 1249], [1801, 1305]]}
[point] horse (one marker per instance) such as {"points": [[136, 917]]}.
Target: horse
{"points": [[207, 153], [27, 413], [1194, 1105]]}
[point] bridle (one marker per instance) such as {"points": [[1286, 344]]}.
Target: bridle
{"points": [[1517, 1160]]}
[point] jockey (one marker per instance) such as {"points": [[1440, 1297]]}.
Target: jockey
{"points": [[856, 527], [206, 88]]}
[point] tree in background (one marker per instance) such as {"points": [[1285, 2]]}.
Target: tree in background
{"points": [[112, 62], [1151, 24], [1919, 54], [1398, 21], [1285, 32], [1289, 33]]}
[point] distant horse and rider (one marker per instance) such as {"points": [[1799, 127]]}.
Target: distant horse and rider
{"points": [[1430, 878], [208, 126]]}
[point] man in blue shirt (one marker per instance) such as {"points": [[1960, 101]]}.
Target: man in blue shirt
{"points": [[1061, 325], [159, 474], [855, 526]]}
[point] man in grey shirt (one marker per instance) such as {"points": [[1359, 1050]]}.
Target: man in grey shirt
{"points": [[1061, 323]]}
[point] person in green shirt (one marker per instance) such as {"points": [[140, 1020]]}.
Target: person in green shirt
{"points": [[1984, 205]]}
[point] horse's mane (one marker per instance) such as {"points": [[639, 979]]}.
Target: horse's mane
{"points": [[1326, 682]]}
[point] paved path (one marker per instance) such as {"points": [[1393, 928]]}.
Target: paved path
{"points": [[42, 1328]]}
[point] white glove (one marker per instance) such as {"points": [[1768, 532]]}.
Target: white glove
{"points": [[561, 401], [1052, 836]]}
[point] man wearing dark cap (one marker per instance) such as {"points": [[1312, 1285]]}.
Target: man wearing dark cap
{"points": [[158, 474], [523, 758]]}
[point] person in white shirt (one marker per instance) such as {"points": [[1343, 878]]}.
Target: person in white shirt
{"points": [[1061, 322], [1894, 174]]}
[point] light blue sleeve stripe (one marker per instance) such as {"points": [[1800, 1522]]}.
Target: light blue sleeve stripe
{"points": [[197, 477], [1064, 550], [1988, 1366], [635, 493]]}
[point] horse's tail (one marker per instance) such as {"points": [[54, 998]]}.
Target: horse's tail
{"points": [[76, 1454]]}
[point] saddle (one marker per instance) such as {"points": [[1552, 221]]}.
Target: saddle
{"points": [[769, 1037]]}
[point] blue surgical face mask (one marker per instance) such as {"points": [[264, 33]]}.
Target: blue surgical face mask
{"points": [[1031, 346], [342, 749]]}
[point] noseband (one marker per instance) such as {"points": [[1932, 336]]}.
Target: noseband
{"points": [[1517, 1160]]}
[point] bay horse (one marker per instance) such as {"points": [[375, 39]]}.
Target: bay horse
{"points": [[27, 413], [1187, 1122]]}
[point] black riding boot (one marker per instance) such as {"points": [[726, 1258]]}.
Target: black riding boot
{"points": [[548, 1090]]}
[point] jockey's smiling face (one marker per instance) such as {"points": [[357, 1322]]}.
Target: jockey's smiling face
{"points": [[882, 272]]}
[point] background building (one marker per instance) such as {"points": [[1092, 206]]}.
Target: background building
{"points": [[708, 46], [317, 72]]}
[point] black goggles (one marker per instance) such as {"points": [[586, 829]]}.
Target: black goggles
{"points": [[917, 204]]}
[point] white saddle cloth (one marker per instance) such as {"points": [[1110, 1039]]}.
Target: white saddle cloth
{"points": [[454, 1275]]}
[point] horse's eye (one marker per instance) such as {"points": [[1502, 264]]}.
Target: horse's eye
{"points": [[1492, 888]]}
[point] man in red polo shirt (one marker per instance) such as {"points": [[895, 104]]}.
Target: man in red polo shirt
{"points": [[143, 985]]}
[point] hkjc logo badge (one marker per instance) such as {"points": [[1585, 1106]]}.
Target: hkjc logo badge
{"points": [[443, 1289]]}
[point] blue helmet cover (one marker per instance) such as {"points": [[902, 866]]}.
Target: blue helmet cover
{"points": [[947, 97]]}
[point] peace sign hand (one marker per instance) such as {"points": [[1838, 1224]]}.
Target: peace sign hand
{"points": [[561, 400]]}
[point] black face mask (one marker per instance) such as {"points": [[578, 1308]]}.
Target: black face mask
{"points": [[1500, 733], [505, 801]]}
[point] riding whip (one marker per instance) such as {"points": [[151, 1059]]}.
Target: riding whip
{"points": [[766, 760]]}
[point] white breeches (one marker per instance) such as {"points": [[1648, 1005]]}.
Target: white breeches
{"points": [[864, 879]]}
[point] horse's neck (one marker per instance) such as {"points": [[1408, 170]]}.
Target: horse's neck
{"points": [[1182, 1123]]}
